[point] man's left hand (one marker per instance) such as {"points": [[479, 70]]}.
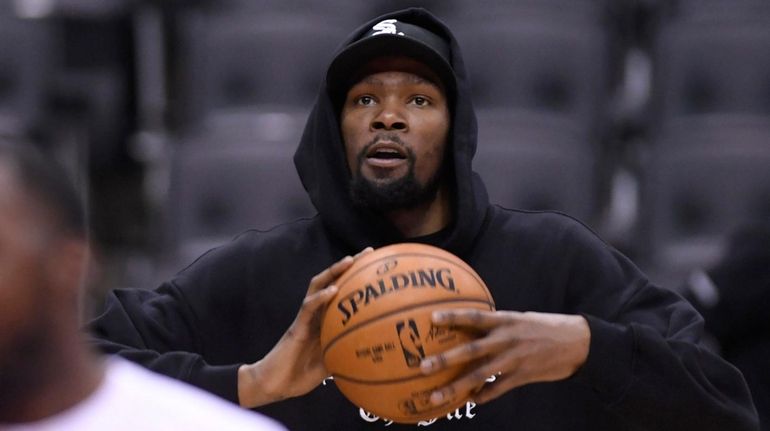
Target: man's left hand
{"points": [[517, 348]]}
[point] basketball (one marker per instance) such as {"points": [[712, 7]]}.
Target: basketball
{"points": [[378, 328]]}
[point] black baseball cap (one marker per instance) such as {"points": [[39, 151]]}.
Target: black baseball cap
{"points": [[391, 37]]}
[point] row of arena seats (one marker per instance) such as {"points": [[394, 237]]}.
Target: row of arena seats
{"points": [[528, 58], [702, 181], [711, 63], [557, 56], [696, 184], [247, 180], [552, 83]]}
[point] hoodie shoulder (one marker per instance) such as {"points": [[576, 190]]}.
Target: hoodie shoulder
{"points": [[551, 234]]}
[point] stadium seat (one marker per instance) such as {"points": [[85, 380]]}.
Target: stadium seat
{"points": [[702, 181], [534, 165], [440, 8], [225, 183], [258, 59], [546, 56], [713, 60], [343, 12], [719, 10]]}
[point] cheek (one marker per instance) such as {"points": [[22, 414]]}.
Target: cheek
{"points": [[17, 301], [351, 138], [437, 134], [428, 163]]}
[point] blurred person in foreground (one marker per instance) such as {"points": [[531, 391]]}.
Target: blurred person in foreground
{"points": [[581, 339], [734, 297], [49, 377]]}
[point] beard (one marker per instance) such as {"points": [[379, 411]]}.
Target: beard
{"points": [[401, 193]]}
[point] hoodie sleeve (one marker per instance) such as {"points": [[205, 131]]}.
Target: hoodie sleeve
{"points": [[645, 361], [157, 330], [193, 327]]}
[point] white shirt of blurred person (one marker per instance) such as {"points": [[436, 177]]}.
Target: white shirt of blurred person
{"points": [[49, 378]]}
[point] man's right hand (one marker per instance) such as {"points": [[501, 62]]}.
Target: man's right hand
{"points": [[294, 366]]}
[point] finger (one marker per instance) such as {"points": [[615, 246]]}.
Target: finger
{"points": [[328, 275], [473, 380], [465, 353], [313, 305], [475, 318], [325, 277], [320, 298], [363, 252]]}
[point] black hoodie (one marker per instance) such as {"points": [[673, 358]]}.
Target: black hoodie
{"points": [[645, 369]]}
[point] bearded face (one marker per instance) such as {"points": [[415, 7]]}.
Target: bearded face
{"points": [[395, 123], [386, 193]]}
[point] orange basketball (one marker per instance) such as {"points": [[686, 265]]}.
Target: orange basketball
{"points": [[378, 328]]}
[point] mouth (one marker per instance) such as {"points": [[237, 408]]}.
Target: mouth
{"points": [[386, 155], [386, 151]]}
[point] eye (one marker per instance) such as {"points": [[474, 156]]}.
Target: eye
{"points": [[365, 100], [420, 101]]}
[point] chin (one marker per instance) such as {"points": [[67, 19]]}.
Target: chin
{"points": [[384, 180]]}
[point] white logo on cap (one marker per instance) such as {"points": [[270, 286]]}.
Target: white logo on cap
{"points": [[387, 26]]}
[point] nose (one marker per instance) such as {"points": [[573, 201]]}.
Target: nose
{"points": [[390, 117]]}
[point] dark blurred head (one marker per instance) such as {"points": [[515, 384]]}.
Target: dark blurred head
{"points": [[43, 250]]}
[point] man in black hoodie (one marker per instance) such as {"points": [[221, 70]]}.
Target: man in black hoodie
{"points": [[584, 341]]}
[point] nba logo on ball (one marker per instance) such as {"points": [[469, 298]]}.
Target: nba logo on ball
{"points": [[410, 342], [378, 328]]}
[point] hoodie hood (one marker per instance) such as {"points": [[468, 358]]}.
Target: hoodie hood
{"points": [[320, 159]]}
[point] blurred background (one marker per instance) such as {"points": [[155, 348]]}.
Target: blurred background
{"points": [[649, 120]]}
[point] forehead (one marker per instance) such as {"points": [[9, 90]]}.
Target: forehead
{"points": [[417, 72], [394, 79]]}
